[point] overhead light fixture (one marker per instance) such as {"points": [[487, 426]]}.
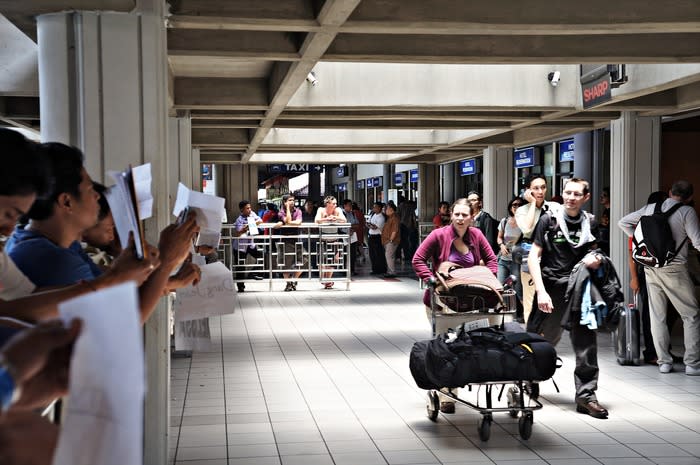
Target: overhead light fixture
{"points": [[554, 77], [311, 79]]}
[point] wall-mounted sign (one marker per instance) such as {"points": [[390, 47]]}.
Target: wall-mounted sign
{"points": [[596, 92], [341, 171], [374, 182], [207, 174], [566, 150], [524, 158], [342, 187], [294, 168], [398, 179], [360, 184], [414, 176], [467, 167]]}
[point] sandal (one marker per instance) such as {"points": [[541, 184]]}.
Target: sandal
{"points": [[328, 285], [294, 285]]}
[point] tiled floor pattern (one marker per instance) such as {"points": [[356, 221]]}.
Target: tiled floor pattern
{"points": [[321, 377]]}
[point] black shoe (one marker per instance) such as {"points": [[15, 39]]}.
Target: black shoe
{"points": [[289, 287], [447, 407], [592, 408], [294, 285], [241, 287], [389, 275], [258, 277]]}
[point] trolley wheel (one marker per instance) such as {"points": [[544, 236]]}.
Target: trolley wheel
{"points": [[512, 395], [525, 425], [433, 405], [484, 427]]}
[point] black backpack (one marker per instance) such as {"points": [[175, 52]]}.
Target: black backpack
{"points": [[652, 241]]}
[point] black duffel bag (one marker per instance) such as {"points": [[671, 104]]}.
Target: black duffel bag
{"points": [[479, 356]]}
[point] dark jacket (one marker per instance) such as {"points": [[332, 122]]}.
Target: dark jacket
{"points": [[605, 286]]}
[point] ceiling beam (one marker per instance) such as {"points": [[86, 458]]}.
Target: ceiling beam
{"points": [[221, 93], [287, 77], [255, 45], [524, 17], [19, 108], [218, 137], [318, 114], [523, 49], [370, 123]]}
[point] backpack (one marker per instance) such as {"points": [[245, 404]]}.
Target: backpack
{"points": [[652, 241]]}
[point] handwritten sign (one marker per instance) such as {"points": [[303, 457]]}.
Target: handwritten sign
{"points": [[213, 296]]}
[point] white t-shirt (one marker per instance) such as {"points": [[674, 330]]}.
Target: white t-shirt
{"points": [[13, 283], [378, 220]]}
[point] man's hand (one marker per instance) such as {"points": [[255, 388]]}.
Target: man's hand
{"points": [[176, 241], [127, 267], [634, 285], [188, 274], [26, 438], [592, 261], [39, 359], [544, 302]]}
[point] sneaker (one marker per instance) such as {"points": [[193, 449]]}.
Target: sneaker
{"points": [[666, 368], [241, 287], [692, 371], [289, 287]]}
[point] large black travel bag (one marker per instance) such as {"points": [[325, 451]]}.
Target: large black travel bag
{"points": [[457, 358], [627, 340]]}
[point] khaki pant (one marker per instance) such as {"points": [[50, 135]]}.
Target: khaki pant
{"points": [[528, 293]]}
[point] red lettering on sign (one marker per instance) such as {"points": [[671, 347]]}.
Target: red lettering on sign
{"points": [[596, 91]]}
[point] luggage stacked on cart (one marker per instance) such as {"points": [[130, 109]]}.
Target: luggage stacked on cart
{"points": [[468, 289], [460, 357]]}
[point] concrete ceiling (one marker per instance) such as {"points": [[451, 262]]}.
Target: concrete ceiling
{"points": [[239, 69]]}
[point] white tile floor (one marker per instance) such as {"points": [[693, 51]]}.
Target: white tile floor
{"points": [[321, 377]]}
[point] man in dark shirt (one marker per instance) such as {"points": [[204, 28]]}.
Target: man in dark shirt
{"points": [[562, 239]]}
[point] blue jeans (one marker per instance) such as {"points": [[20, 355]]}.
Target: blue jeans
{"points": [[507, 268]]}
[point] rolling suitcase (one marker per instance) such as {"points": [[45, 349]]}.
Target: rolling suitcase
{"points": [[627, 335]]}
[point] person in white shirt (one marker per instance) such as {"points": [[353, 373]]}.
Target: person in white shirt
{"points": [[376, 251]]}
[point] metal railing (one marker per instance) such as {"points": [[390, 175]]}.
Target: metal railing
{"points": [[315, 251]]}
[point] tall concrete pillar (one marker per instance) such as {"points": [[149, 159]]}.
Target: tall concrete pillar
{"points": [[315, 185], [181, 168], [103, 87], [634, 158], [583, 164], [498, 176], [240, 182], [447, 183], [428, 191], [387, 176]]}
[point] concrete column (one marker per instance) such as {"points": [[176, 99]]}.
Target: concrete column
{"points": [[181, 168], [497, 175], [634, 154], [447, 183], [428, 191], [239, 182], [314, 185], [103, 87], [583, 163], [387, 174]]}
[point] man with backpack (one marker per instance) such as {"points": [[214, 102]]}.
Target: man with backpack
{"points": [[562, 238], [659, 233]]}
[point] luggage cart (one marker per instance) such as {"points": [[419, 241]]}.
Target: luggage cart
{"points": [[521, 396]]}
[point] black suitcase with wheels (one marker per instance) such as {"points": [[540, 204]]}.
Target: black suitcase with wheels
{"points": [[627, 336]]}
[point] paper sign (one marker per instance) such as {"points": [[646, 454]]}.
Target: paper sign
{"points": [[252, 227], [213, 296], [209, 209], [193, 335], [130, 201], [104, 415]]}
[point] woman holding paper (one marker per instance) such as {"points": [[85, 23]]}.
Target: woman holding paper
{"points": [[330, 213]]}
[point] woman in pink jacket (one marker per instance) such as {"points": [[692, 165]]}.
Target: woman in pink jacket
{"points": [[458, 243]]}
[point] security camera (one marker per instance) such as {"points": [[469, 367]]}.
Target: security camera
{"points": [[554, 77], [311, 79]]}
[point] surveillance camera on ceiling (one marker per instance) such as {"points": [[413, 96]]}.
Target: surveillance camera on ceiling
{"points": [[554, 78], [311, 78]]}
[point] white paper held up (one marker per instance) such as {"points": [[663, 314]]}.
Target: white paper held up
{"points": [[209, 209], [213, 296], [104, 416]]}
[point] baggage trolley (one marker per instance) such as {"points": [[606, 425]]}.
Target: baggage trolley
{"points": [[521, 396]]}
